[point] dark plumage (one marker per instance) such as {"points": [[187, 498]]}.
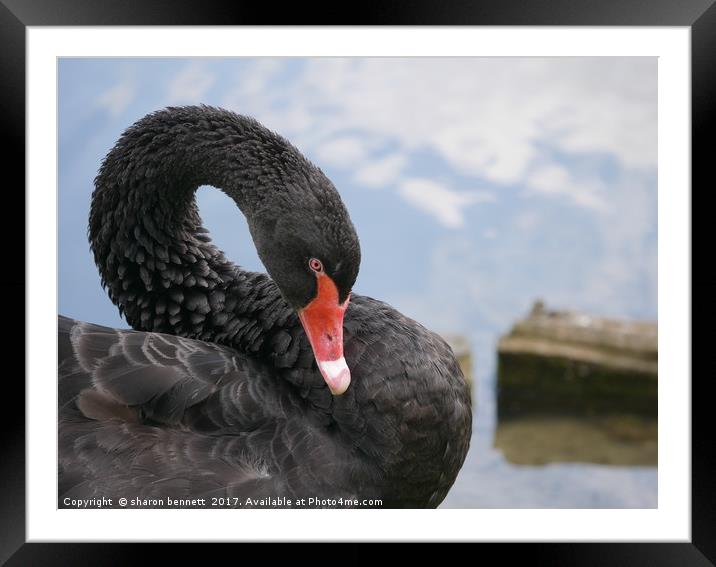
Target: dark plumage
{"points": [[217, 392]]}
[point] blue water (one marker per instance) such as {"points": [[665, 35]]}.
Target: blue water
{"points": [[488, 480]]}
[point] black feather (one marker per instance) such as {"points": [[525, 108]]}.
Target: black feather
{"points": [[243, 411]]}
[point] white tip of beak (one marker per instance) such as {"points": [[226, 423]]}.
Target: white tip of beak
{"points": [[336, 374]]}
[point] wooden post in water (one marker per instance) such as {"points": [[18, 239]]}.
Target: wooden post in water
{"points": [[574, 387]]}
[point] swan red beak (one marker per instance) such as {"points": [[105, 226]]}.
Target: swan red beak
{"points": [[322, 319]]}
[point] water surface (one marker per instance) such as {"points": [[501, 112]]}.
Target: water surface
{"points": [[490, 477]]}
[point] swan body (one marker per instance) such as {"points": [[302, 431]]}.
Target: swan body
{"points": [[255, 388]]}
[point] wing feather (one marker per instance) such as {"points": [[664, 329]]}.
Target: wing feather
{"points": [[153, 416]]}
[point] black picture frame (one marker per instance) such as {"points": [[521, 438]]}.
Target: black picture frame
{"points": [[17, 15]]}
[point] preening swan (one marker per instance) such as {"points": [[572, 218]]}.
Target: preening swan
{"points": [[238, 384]]}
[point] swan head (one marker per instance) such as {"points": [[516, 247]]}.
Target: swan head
{"points": [[313, 255]]}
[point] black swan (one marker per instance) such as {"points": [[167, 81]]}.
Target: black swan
{"points": [[236, 388]]}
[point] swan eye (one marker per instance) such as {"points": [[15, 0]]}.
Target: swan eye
{"points": [[315, 265]]}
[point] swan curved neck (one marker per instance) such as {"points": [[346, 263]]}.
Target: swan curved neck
{"points": [[155, 258]]}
